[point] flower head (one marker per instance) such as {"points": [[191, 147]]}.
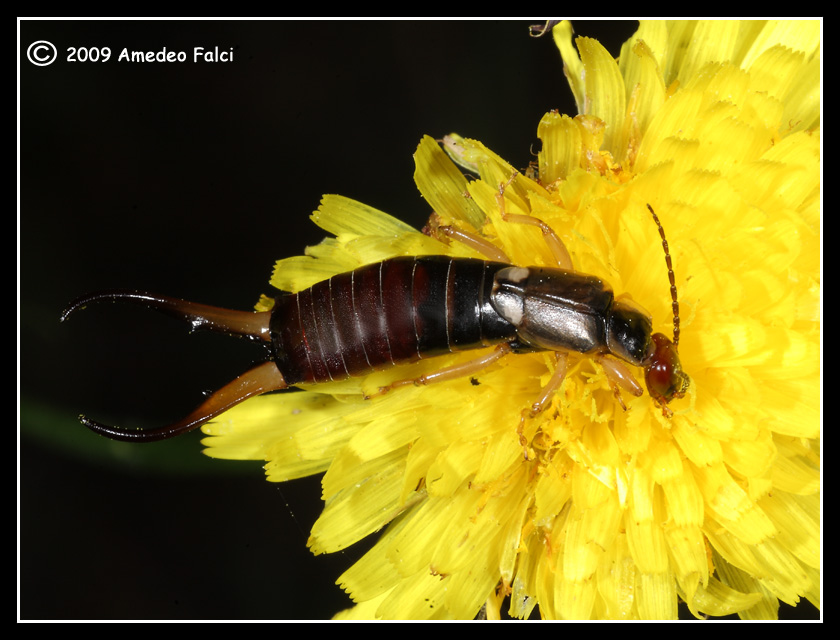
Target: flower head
{"points": [[589, 509]]}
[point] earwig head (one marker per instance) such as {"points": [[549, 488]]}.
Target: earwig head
{"points": [[262, 378], [664, 376]]}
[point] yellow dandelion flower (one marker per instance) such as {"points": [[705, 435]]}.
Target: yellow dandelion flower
{"points": [[594, 510]]}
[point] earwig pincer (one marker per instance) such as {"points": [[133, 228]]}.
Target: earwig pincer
{"points": [[405, 309]]}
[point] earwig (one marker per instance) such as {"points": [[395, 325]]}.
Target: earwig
{"points": [[405, 309]]}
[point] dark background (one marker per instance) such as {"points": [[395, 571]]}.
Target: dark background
{"points": [[192, 179]]}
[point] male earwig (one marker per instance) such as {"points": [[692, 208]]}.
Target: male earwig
{"points": [[405, 309]]}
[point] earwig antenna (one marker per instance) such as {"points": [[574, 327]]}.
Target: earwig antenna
{"points": [[675, 305]]}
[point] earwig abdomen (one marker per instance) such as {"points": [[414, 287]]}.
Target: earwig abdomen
{"points": [[392, 312]]}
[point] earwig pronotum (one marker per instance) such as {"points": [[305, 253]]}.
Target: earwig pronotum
{"points": [[408, 308]]}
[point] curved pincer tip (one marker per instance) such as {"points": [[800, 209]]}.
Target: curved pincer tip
{"points": [[261, 379], [126, 435]]}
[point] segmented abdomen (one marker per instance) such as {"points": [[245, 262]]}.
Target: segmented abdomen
{"points": [[391, 312]]}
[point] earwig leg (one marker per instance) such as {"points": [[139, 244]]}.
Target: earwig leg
{"points": [[552, 385], [260, 379], [554, 382], [200, 316], [451, 373], [474, 241], [620, 378], [555, 244]]}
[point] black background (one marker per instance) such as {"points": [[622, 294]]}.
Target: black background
{"points": [[191, 179]]}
